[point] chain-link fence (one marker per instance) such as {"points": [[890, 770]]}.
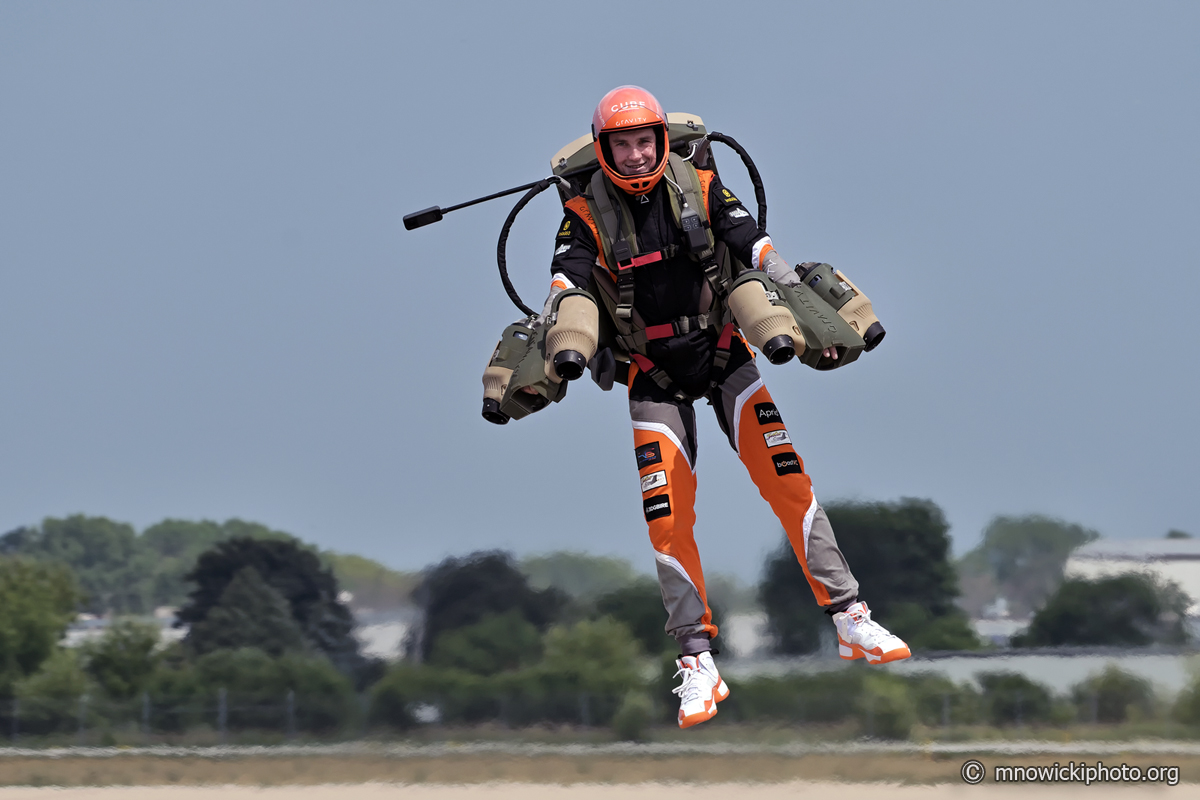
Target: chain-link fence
{"points": [[88, 716], [850, 703]]}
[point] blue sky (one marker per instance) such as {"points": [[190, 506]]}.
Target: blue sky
{"points": [[209, 307]]}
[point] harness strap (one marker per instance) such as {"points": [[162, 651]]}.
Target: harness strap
{"points": [[721, 358], [658, 376], [609, 215], [637, 338], [618, 245]]}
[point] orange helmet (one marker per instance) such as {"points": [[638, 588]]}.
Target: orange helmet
{"points": [[625, 108]]}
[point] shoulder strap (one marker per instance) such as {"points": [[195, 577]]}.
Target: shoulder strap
{"points": [[694, 193], [705, 176], [617, 226], [580, 207]]}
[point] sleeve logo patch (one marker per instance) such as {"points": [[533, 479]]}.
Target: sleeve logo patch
{"points": [[562, 248], [787, 463], [776, 438], [739, 212], [565, 231], [648, 454], [654, 480], [728, 197], [767, 414], [655, 507]]}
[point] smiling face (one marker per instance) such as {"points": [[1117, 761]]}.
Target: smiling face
{"points": [[633, 152]]}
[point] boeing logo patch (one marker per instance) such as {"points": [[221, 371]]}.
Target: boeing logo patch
{"points": [[654, 480], [776, 438]]}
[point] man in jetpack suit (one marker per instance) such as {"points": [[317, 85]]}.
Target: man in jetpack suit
{"points": [[640, 239]]}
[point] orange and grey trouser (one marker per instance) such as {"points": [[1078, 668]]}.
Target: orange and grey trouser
{"points": [[664, 436]]}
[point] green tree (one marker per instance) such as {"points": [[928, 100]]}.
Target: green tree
{"points": [[461, 591], [579, 575], [123, 659], [49, 697], [258, 684], [1012, 699], [639, 607], [249, 613], [598, 656], [1111, 695], [899, 553], [1129, 609], [293, 571], [885, 707], [110, 568], [175, 544], [1020, 559], [37, 602], [496, 643], [794, 623]]}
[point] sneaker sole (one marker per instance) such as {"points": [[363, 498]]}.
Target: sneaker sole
{"points": [[850, 652], [720, 692]]}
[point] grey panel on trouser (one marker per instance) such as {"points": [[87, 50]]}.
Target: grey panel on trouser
{"points": [[826, 562], [684, 607], [725, 396], [682, 423]]}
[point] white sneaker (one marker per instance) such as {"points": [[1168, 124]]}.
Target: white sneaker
{"points": [[859, 637], [701, 690]]}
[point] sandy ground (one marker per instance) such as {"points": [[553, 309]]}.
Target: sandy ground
{"points": [[806, 790], [594, 776]]}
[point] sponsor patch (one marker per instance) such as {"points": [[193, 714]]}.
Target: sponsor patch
{"points": [[565, 231], [739, 212], [787, 463], [767, 413], [654, 480], [728, 197], [648, 454], [655, 507], [562, 248], [776, 438]]}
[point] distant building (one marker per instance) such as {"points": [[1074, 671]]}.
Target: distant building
{"points": [[1175, 560]]}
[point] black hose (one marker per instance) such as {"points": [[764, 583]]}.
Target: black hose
{"points": [[501, 261], [760, 194]]}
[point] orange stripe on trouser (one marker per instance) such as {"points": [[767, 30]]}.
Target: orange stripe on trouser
{"points": [[672, 534], [790, 494]]}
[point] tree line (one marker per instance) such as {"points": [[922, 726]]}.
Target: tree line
{"points": [[563, 636], [119, 571]]}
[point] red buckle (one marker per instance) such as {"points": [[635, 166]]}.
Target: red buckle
{"points": [[648, 258], [660, 331], [644, 364]]}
